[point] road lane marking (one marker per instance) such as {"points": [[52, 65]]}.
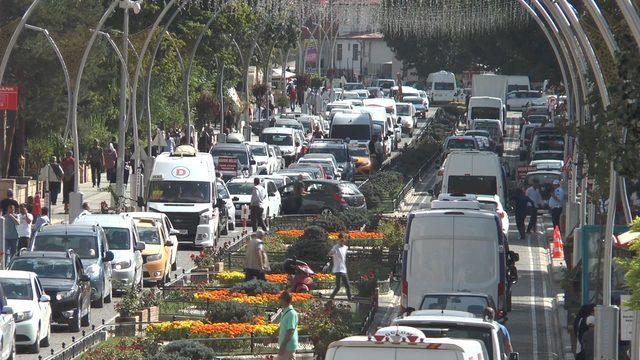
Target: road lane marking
{"points": [[534, 325]]}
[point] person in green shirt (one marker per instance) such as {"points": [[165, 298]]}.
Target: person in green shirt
{"points": [[288, 334]]}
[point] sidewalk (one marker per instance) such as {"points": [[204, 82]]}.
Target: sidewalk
{"points": [[92, 195]]}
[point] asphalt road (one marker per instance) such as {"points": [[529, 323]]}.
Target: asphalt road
{"points": [[532, 322]]}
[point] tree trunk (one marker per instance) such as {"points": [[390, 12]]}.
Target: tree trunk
{"points": [[9, 146]]}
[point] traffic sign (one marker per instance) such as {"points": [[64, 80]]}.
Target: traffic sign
{"points": [[9, 98]]}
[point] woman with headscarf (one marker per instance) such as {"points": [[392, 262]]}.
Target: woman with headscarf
{"points": [[69, 170], [110, 159]]}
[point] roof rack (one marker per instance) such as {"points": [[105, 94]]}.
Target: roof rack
{"points": [[184, 150], [329, 141]]}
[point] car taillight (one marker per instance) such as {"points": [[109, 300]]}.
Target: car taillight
{"points": [[405, 288], [441, 172], [340, 199], [501, 214], [404, 297], [501, 289]]}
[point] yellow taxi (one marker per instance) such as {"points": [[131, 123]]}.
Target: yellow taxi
{"points": [[361, 159], [156, 255]]}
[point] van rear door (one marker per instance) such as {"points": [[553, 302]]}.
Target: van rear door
{"points": [[375, 352]]}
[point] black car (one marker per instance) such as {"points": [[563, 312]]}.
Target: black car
{"points": [[340, 151], [321, 197], [64, 280]]}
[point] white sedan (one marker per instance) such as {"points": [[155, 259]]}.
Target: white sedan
{"points": [[31, 308], [240, 190], [492, 203]]}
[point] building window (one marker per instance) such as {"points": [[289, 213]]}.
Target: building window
{"points": [[339, 52], [355, 52]]}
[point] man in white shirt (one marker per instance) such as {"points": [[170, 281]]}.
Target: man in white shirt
{"points": [[42, 220], [257, 206], [339, 254], [24, 227], [533, 193], [86, 210], [555, 203]]}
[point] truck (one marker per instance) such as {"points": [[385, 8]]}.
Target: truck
{"points": [[490, 85]]}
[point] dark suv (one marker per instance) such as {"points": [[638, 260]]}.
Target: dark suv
{"points": [[340, 151], [321, 197], [64, 280]]}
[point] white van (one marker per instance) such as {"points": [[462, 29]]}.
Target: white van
{"points": [[454, 250], [518, 82], [182, 185], [357, 127], [474, 172], [441, 87], [390, 107], [405, 343], [486, 107], [382, 125]]}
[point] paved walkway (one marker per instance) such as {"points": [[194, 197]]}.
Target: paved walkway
{"points": [[92, 195]]}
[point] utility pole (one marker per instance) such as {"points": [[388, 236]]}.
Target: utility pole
{"points": [[122, 129]]}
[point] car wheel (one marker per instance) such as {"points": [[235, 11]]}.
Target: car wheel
{"points": [[74, 323], [225, 229], [174, 266], [107, 299], [35, 347], [86, 320], [45, 341], [12, 355], [100, 302]]}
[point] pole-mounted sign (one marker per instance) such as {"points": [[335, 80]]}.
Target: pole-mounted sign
{"points": [[9, 98]]}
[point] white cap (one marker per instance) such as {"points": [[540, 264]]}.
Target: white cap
{"points": [[591, 320]]}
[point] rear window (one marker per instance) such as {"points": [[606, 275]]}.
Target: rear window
{"points": [[86, 246], [485, 113], [485, 185], [472, 304], [548, 156], [149, 235], [461, 143], [443, 86]]}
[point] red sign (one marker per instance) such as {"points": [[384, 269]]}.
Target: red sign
{"points": [[227, 163], [524, 170], [9, 98]]}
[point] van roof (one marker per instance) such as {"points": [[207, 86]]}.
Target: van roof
{"points": [[484, 98], [278, 130], [424, 320], [106, 220], [439, 212], [427, 343]]}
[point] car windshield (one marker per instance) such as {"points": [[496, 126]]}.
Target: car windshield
{"points": [[149, 235], [277, 139], [466, 303], [338, 152], [550, 143], [118, 238], [353, 132], [413, 100], [488, 205], [17, 289], [477, 133], [461, 143], [403, 110], [387, 84], [485, 185], [337, 106], [179, 191], [443, 86], [548, 156], [258, 150], [240, 188], [358, 151], [238, 154], [538, 119], [479, 112], [353, 86], [86, 246], [291, 125], [44, 267]]}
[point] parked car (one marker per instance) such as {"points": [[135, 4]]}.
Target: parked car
{"points": [[419, 103], [124, 243], [64, 280], [322, 197], [90, 244], [31, 309], [340, 151], [240, 190], [158, 252]]}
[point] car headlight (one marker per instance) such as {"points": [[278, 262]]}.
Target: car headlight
{"points": [[92, 270], [238, 206], [121, 265], [205, 218], [23, 316], [154, 257], [64, 295]]}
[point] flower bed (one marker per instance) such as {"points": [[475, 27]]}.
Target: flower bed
{"points": [[176, 330], [259, 299], [234, 277], [334, 235]]}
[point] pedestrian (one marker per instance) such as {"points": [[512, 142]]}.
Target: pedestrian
{"points": [[86, 210], [42, 220], [171, 142], [36, 207], [96, 160], [52, 174], [299, 192], [379, 147], [372, 152], [11, 222], [339, 254], [69, 170], [257, 206], [317, 133], [522, 205], [256, 262], [490, 315], [24, 227], [588, 339], [205, 141], [288, 331], [580, 328], [293, 97], [533, 193], [6, 202], [110, 161], [555, 203]]}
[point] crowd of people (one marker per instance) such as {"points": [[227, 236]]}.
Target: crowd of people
{"points": [[21, 222], [528, 201]]}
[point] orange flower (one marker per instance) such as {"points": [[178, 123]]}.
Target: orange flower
{"points": [[277, 278], [260, 299]]}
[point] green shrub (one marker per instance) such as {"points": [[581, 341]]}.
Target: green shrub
{"points": [[231, 312], [382, 186], [255, 287], [122, 348], [330, 222], [355, 219], [313, 245], [184, 350]]}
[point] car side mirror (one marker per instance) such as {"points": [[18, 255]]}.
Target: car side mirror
{"points": [[7, 310], [174, 232], [514, 356], [409, 310], [168, 243], [84, 278], [45, 298], [108, 256], [235, 198], [252, 162], [140, 246], [430, 192]]}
